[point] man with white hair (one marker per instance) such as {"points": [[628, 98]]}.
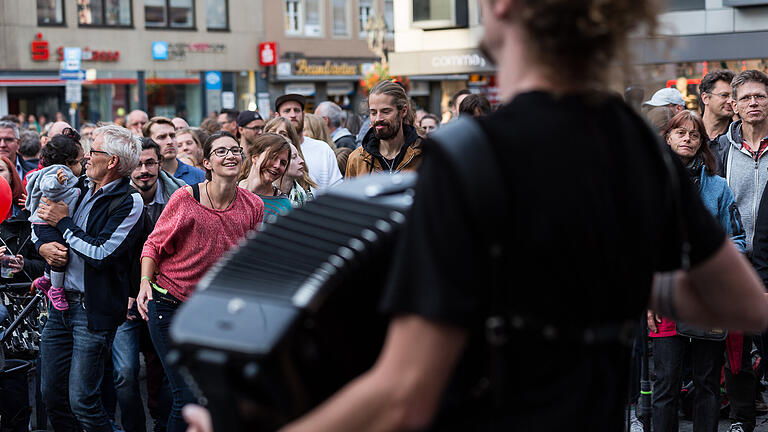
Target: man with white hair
{"points": [[136, 120], [332, 114], [101, 235]]}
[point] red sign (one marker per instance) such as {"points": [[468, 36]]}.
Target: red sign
{"points": [[40, 48], [268, 53], [92, 55]]}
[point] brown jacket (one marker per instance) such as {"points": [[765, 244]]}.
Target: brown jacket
{"points": [[366, 159]]}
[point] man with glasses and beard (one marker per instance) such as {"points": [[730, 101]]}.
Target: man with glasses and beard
{"points": [[392, 144]]}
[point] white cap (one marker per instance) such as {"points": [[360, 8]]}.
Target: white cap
{"points": [[666, 96]]}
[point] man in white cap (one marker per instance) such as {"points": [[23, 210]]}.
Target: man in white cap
{"points": [[668, 97]]}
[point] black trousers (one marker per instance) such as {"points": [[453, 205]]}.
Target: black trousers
{"points": [[741, 388]]}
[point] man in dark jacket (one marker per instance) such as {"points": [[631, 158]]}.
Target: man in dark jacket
{"points": [[392, 144], [332, 113], [100, 234]]}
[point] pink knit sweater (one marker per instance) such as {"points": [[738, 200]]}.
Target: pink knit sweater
{"points": [[189, 237]]}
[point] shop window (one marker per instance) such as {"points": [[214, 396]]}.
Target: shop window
{"points": [[340, 20], [169, 13], [217, 15], [436, 14], [50, 12], [106, 13], [365, 12], [304, 17]]}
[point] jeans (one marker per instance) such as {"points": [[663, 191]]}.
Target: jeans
{"points": [[707, 359], [161, 314], [125, 358], [72, 366]]}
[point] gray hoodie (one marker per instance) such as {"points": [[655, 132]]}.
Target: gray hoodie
{"points": [[745, 176], [44, 183]]}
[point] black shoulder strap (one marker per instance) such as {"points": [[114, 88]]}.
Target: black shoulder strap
{"points": [[196, 191], [471, 156]]}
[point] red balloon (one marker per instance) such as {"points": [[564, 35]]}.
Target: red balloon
{"points": [[6, 200]]}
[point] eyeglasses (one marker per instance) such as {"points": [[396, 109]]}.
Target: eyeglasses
{"points": [[71, 133], [682, 132], [8, 140], [222, 151], [759, 98], [99, 151], [723, 95], [149, 164]]}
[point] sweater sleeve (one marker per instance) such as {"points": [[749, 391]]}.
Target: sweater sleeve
{"points": [[169, 227]]}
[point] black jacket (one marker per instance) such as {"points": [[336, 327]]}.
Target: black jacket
{"points": [[16, 234]]}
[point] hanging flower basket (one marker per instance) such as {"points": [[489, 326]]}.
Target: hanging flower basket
{"points": [[379, 73]]}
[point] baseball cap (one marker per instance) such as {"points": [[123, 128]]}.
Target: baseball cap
{"points": [[290, 97], [666, 96], [246, 117]]}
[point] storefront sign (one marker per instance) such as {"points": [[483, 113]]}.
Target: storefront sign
{"points": [[268, 53], [72, 58], [342, 88], [304, 89], [304, 68], [40, 48], [179, 50], [213, 80], [439, 62]]}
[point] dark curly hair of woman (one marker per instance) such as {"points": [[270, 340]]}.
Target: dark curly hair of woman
{"points": [[60, 150]]}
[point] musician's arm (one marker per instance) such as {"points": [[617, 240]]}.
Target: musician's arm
{"points": [[403, 389]]}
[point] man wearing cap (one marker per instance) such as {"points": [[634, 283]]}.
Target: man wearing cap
{"points": [[668, 97], [320, 159], [249, 125]]}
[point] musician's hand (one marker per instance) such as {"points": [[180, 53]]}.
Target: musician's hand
{"points": [[653, 319], [198, 418], [145, 295]]}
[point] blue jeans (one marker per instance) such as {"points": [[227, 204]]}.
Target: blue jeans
{"points": [[161, 314], [707, 359], [125, 358], [72, 366]]}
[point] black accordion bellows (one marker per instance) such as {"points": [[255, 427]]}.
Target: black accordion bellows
{"points": [[290, 316]]}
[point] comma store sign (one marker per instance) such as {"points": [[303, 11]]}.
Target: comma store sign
{"points": [[439, 62]]}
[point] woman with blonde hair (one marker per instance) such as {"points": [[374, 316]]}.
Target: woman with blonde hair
{"points": [[302, 189], [315, 127], [190, 147]]}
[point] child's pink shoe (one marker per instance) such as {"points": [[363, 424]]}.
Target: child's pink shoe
{"points": [[57, 298], [43, 283]]}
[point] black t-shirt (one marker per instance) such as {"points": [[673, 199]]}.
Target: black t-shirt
{"points": [[588, 219]]}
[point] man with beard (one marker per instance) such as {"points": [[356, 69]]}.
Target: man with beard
{"points": [[162, 131], [392, 144], [249, 125], [318, 156], [155, 187]]}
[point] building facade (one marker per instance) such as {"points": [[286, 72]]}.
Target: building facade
{"points": [[169, 57], [323, 49]]}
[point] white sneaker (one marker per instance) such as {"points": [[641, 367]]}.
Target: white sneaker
{"points": [[635, 425], [736, 427]]}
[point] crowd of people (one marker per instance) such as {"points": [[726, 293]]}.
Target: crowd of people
{"points": [[113, 223]]}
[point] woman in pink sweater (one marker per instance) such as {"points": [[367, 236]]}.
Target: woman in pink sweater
{"points": [[198, 225]]}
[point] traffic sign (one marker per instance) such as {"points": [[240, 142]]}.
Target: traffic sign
{"points": [[74, 92], [72, 58], [77, 75]]}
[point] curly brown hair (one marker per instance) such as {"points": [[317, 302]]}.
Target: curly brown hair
{"points": [[583, 37]]}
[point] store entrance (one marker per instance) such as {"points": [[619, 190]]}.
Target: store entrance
{"points": [[36, 100]]}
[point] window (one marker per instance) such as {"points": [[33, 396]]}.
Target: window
{"points": [[169, 13], [366, 11], [111, 13], [292, 17], [50, 12], [304, 17], [682, 5], [339, 13], [389, 17], [216, 15], [435, 14]]}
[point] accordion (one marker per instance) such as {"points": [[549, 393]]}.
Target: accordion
{"points": [[290, 316]]}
